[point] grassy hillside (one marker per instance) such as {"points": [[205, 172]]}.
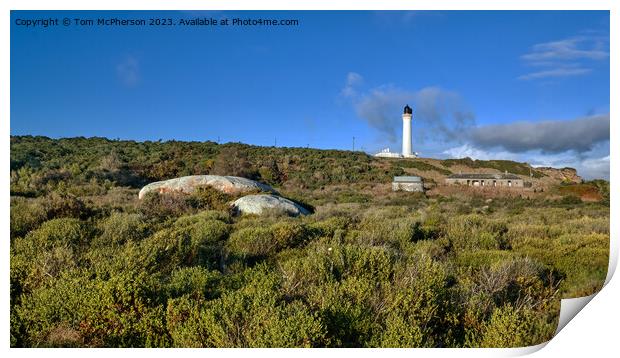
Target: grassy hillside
{"points": [[39, 164], [93, 266]]}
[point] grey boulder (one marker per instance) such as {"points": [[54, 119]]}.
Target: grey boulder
{"points": [[258, 204], [188, 184]]}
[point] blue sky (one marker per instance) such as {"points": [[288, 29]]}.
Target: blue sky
{"points": [[531, 86]]}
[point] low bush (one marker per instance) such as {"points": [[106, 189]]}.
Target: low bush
{"points": [[420, 300], [476, 232], [209, 198], [26, 215], [120, 228], [195, 281], [510, 327], [158, 206], [187, 244], [254, 316], [118, 312], [257, 242]]}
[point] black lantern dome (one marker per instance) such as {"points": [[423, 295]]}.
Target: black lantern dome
{"points": [[408, 110]]}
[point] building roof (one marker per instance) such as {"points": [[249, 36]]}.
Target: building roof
{"points": [[483, 176], [407, 179]]}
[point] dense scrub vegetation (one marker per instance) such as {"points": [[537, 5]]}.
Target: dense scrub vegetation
{"points": [[501, 165], [93, 266]]}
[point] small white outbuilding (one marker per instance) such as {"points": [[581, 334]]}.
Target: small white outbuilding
{"points": [[408, 183]]}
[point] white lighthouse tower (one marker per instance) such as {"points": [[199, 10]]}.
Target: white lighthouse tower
{"points": [[407, 152], [407, 115]]}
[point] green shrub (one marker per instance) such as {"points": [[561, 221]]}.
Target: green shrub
{"points": [[570, 200], [253, 316], [420, 299], [33, 267], [57, 232], [581, 259], [187, 245], [435, 249], [265, 241], [315, 265], [209, 198], [154, 205], [327, 261], [62, 304], [370, 262], [347, 309], [475, 232], [26, 215], [195, 281], [120, 228], [114, 313], [206, 215], [64, 205], [510, 327], [204, 227], [380, 231], [482, 258], [328, 227]]}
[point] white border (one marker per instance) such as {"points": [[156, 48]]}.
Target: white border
{"points": [[593, 331]]}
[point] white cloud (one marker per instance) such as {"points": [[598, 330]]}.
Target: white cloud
{"points": [[580, 47], [595, 168], [558, 72], [128, 71], [353, 81], [566, 58]]}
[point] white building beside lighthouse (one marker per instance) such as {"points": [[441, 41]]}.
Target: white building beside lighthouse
{"points": [[407, 151]]}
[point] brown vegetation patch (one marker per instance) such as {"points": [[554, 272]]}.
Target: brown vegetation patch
{"points": [[585, 192]]}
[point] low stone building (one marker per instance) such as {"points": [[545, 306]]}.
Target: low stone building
{"points": [[506, 180], [408, 183]]}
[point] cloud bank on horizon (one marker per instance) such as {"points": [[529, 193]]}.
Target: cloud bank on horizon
{"points": [[579, 135]]}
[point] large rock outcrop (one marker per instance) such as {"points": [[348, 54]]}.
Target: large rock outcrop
{"points": [[188, 184], [561, 175], [257, 204]]}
